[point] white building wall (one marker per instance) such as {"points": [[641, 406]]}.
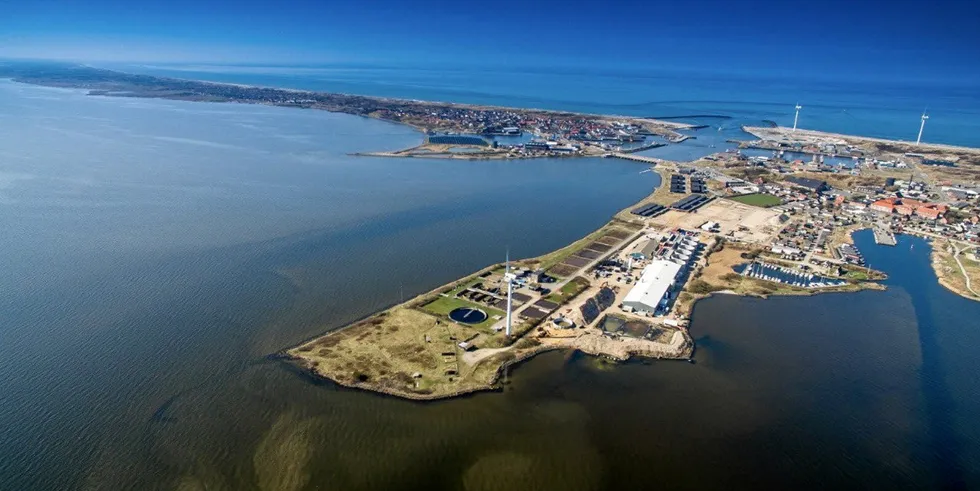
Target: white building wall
{"points": [[654, 282]]}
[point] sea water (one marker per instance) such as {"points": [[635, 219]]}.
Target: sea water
{"points": [[156, 252]]}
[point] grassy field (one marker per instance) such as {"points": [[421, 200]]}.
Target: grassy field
{"points": [[758, 199], [949, 273], [567, 292], [442, 306], [403, 350]]}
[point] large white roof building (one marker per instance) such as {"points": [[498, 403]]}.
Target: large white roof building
{"points": [[654, 282]]}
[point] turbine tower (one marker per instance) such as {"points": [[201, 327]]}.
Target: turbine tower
{"points": [[922, 126], [509, 278], [796, 119]]}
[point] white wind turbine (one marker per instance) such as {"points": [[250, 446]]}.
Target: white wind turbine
{"points": [[796, 118], [509, 278], [922, 126]]}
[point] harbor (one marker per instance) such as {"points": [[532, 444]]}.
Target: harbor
{"points": [[781, 274]]}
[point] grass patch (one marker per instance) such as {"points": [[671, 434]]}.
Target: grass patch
{"points": [[442, 306], [758, 199], [569, 290]]}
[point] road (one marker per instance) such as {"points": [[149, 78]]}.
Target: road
{"points": [[956, 256]]}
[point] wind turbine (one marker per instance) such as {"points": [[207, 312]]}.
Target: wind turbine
{"points": [[796, 119], [509, 278], [922, 126]]}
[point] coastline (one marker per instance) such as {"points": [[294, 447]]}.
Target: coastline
{"points": [[951, 272], [111, 83], [521, 354], [486, 370], [424, 116]]}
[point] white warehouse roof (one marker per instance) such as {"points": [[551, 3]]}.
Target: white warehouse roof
{"points": [[653, 284]]}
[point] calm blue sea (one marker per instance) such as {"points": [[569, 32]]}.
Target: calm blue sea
{"points": [[835, 103]]}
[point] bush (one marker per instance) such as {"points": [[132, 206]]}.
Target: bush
{"points": [[717, 246], [526, 342], [702, 287], [731, 277]]}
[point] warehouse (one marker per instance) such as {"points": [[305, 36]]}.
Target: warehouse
{"points": [[649, 291]]}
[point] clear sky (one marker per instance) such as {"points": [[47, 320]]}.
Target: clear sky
{"points": [[900, 38]]}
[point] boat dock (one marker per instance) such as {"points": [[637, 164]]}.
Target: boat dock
{"points": [[788, 276], [635, 158], [884, 237], [643, 147]]}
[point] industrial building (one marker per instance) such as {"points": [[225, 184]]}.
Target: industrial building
{"points": [[690, 202], [650, 210], [815, 185], [698, 185], [653, 285]]}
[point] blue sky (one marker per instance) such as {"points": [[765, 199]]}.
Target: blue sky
{"points": [[884, 39]]}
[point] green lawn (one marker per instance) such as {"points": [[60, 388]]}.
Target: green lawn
{"points": [[442, 306], [758, 199], [569, 291]]}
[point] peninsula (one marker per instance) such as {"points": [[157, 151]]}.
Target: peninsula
{"points": [[451, 130], [770, 216], [625, 290], [765, 224]]}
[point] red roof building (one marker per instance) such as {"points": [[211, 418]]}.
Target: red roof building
{"points": [[884, 205], [909, 207], [905, 210], [931, 211]]}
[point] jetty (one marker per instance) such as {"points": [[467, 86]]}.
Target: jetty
{"points": [[641, 148], [635, 158], [884, 237]]}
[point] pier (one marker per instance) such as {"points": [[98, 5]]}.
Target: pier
{"points": [[643, 147], [635, 158], [884, 237], [787, 276]]}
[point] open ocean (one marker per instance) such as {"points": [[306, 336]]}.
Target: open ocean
{"points": [[156, 252]]}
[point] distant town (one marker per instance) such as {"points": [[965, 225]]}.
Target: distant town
{"points": [[448, 127]]}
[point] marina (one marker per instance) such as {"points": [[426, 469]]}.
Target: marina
{"points": [[781, 274]]}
